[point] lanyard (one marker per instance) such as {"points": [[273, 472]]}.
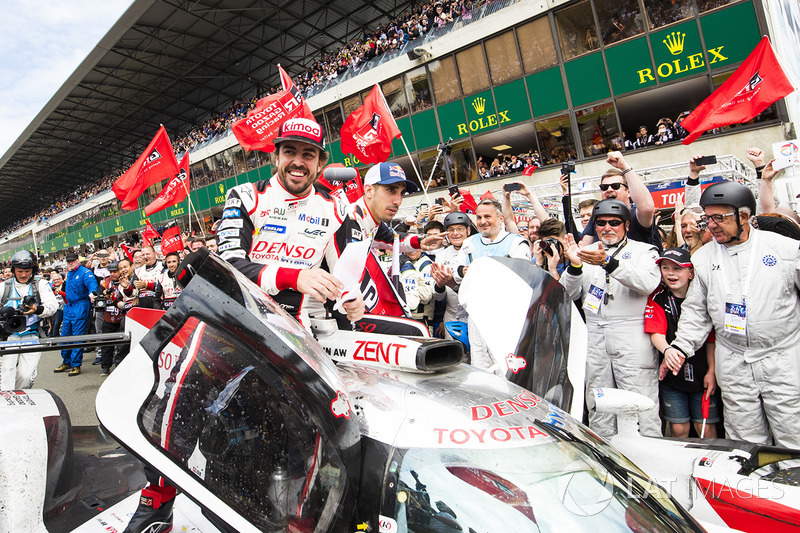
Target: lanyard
{"points": [[606, 296], [750, 267]]}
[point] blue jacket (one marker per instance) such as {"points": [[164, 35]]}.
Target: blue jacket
{"points": [[78, 284]]}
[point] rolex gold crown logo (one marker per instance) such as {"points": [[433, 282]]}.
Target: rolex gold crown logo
{"points": [[480, 105], [674, 42]]}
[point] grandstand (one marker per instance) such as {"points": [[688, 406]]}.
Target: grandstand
{"points": [[195, 67]]}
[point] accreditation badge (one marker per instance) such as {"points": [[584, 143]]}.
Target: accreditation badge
{"points": [[736, 319], [593, 300]]}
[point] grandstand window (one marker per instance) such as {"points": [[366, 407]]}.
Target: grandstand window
{"points": [[516, 140], [577, 33], [472, 69], [462, 162], [503, 57], [618, 19], [418, 89], [445, 80], [351, 104], [556, 142], [426, 161], [661, 13], [239, 163], [335, 121], [537, 45], [598, 130], [393, 92]]}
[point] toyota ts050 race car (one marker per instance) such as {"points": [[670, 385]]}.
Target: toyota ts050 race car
{"points": [[264, 427]]}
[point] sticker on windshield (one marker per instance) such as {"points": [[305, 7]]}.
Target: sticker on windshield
{"points": [[514, 363], [386, 524], [340, 406]]}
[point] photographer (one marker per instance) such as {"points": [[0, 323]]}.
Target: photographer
{"points": [[548, 251], [106, 306], [24, 302]]}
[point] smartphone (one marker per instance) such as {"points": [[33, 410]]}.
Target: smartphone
{"points": [[454, 191], [705, 160], [439, 201], [508, 187]]}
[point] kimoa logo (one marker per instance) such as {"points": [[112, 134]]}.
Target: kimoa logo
{"points": [[675, 42]]}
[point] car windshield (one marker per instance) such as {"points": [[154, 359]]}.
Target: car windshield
{"points": [[552, 487]]}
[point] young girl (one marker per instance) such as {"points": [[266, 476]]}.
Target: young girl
{"points": [[681, 394]]}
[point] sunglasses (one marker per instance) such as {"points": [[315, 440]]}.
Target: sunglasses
{"points": [[605, 186], [613, 223], [716, 218]]}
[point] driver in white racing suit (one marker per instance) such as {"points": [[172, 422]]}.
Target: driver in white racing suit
{"points": [[613, 282], [746, 287]]}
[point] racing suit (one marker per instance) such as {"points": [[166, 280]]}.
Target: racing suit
{"points": [[424, 289], [757, 367], [270, 235], [449, 257], [504, 245], [150, 296], [171, 289], [619, 353], [19, 371], [78, 284]]}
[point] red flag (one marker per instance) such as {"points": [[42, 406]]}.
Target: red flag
{"points": [[174, 191], [368, 131], [289, 86], [469, 205], [157, 162], [757, 83], [260, 126], [171, 241], [128, 251], [150, 232], [487, 195]]}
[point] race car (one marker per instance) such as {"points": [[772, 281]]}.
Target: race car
{"points": [[264, 427]]}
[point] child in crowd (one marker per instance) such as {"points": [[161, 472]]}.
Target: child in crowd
{"points": [[682, 394]]}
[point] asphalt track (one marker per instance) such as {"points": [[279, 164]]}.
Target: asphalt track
{"points": [[78, 393]]}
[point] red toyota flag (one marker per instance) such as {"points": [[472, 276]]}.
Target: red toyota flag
{"points": [[157, 163], [289, 86], [171, 241], [128, 251], [368, 131], [257, 130], [174, 191], [757, 83], [150, 232], [469, 205]]}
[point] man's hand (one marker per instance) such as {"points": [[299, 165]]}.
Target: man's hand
{"points": [[694, 168], [139, 284], [354, 309], [435, 210], [593, 257], [319, 284], [442, 275], [769, 173], [564, 180], [674, 359], [432, 242], [616, 160], [571, 250], [756, 156], [422, 214], [536, 248], [29, 310], [710, 383]]}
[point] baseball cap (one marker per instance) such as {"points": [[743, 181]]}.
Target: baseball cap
{"points": [[677, 255], [302, 130], [388, 174], [113, 266], [72, 257]]}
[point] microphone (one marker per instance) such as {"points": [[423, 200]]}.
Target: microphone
{"points": [[340, 174]]}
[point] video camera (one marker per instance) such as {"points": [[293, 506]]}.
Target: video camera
{"points": [[99, 301], [12, 320], [567, 168]]}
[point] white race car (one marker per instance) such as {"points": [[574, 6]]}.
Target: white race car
{"points": [[248, 415]]}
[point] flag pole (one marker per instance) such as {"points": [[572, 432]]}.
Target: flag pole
{"points": [[191, 208], [416, 171]]}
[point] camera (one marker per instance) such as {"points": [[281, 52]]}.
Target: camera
{"points": [[548, 244], [30, 300], [99, 302], [568, 167], [509, 187], [11, 321], [705, 160]]}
